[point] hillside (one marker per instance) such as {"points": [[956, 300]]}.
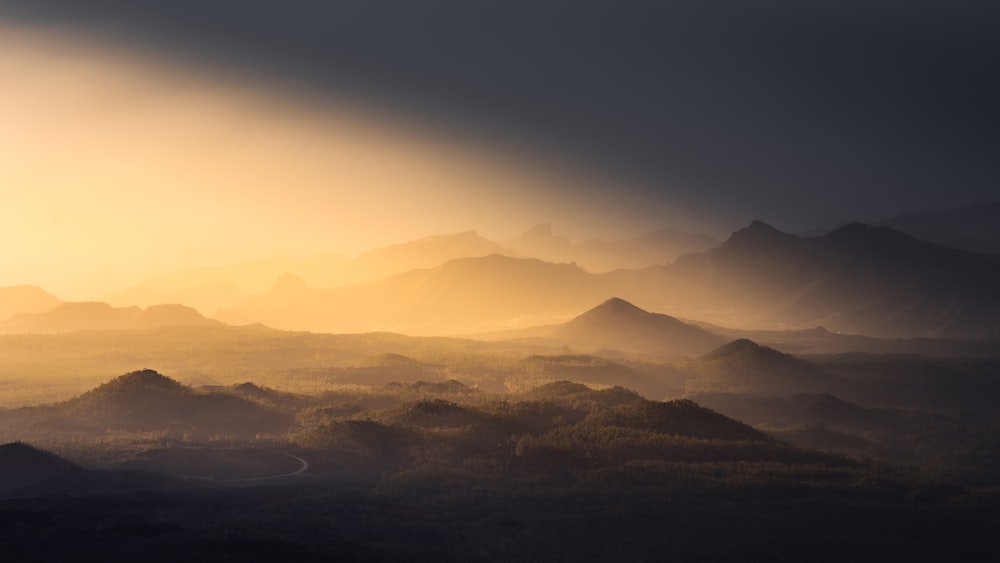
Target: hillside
{"points": [[24, 470], [743, 366], [148, 401]]}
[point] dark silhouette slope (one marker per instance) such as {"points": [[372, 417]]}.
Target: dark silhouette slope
{"points": [[25, 469], [148, 401], [743, 366]]}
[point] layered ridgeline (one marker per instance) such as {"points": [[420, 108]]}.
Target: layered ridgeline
{"points": [[857, 279], [223, 287], [77, 316], [465, 295], [598, 255], [26, 299], [975, 227]]}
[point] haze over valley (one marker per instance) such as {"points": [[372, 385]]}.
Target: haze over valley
{"points": [[510, 281]]}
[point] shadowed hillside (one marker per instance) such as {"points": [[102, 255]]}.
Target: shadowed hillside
{"points": [[743, 366], [24, 468], [147, 401]]}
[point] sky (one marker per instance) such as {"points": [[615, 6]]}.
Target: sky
{"points": [[151, 135]]}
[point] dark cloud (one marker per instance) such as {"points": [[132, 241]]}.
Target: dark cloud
{"points": [[801, 113]]}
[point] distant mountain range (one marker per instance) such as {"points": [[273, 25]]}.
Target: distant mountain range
{"points": [[221, 288], [461, 296], [70, 317], [975, 227], [597, 255], [27, 299], [857, 279]]}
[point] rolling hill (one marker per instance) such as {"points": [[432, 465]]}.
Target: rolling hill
{"points": [[743, 366], [148, 401]]}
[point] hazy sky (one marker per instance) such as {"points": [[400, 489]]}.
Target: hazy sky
{"points": [[152, 134]]}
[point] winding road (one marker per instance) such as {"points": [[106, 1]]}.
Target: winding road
{"points": [[300, 471]]}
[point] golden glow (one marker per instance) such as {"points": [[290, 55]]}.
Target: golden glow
{"points": [[116, 165]]}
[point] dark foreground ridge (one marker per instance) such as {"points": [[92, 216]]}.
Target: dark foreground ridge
{"points": [[439, 471]]}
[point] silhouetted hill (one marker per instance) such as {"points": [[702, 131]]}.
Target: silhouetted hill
{"points": [[743, 366], [856, 279], [148, 401], [598, 255], [75, 316], [975, 228], [25, 469], [27, 299], [616, 323]]}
